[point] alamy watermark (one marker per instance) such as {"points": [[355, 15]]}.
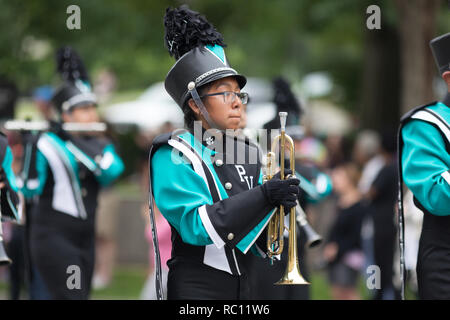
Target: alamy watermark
{"points": [[373, 280], [74, 279], [73, 21], [373, 22]]}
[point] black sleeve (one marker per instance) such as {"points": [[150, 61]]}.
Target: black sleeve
{"points": [[9, 201], [233, 218]]}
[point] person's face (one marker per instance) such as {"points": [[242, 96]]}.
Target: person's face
{"points": [[341, 181], [225, 115], [446, 77], [83, 114]]}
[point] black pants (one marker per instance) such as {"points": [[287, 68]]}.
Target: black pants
{"points": [[264, 275], [188, 280], [16, 254], [433, 263], [63, 252]]}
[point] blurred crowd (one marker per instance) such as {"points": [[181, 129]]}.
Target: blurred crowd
{"points": [[356, 218]]}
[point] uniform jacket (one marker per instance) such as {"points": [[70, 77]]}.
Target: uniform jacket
{"points": [[425, 156], [71, 172], [214, 204], [9, 200]]}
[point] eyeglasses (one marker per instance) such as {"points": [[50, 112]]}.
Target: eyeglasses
{"points": [[230, 96]]}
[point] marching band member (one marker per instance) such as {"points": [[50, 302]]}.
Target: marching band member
{"points": [[9, 200], [215, 201], [71, 169], [424, 158]]}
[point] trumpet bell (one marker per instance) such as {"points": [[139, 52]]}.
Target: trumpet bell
{"points": [[313, 239], [292, 275]]}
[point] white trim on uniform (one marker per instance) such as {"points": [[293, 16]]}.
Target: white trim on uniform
{"points": [[446, 176], [63, 198], [429, 117], [198, 168], [216, 258], [210, 228]]}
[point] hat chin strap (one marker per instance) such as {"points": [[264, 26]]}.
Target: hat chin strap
{"points": [[200, 105]]}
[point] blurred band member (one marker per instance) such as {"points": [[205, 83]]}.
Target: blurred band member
{"points": [[71, 169], [424, 153]]}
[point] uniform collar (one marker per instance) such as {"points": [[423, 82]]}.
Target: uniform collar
{"points": [[446, 100]]}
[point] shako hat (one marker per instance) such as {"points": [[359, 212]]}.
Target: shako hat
{"points": [[440, 47], [198, 48], [76, 89]]}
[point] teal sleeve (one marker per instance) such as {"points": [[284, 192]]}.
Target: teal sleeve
{"points": [[424, 160], [318, 189], [7, 167], [36, 187], [178, 193], [111, 166]]}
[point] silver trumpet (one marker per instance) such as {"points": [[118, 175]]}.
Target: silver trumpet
{"points": [[23, 125], [313, 239]]}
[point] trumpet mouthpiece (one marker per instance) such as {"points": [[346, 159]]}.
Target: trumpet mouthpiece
{"points": [[283, 117]]}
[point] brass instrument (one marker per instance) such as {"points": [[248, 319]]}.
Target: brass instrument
{"points": [[275, 228], [313, 239]]}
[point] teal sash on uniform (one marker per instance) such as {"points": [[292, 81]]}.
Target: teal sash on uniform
{"points": [[205, 153]]}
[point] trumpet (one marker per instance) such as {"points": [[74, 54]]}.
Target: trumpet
{"points": [[275, 228]]}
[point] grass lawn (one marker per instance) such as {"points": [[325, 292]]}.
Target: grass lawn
{"points": [[129, 280], [126, 284]]}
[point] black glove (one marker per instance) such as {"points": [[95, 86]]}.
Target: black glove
{"points": [[282, 192], [56, 127]]}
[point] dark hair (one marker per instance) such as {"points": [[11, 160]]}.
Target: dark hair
{"points": [[189, 114]]}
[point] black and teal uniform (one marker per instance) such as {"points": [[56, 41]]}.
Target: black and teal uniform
{"points": [[217, 211], [425, 167], [10, 204], [70, 174], [315, 186]]}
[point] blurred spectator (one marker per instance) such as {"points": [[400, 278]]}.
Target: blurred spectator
{"points": [[337, 150], [366, 156], [41, 98], [105, 84], [382, 198], [106, 231], [343, 248]]}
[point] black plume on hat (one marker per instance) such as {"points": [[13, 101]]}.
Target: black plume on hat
{"points": [[70, 66], [186, 30], [284, 98], [285, 101], [76, 89]]}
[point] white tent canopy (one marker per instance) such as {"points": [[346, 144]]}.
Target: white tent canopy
{"points": [[155, 107]]}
